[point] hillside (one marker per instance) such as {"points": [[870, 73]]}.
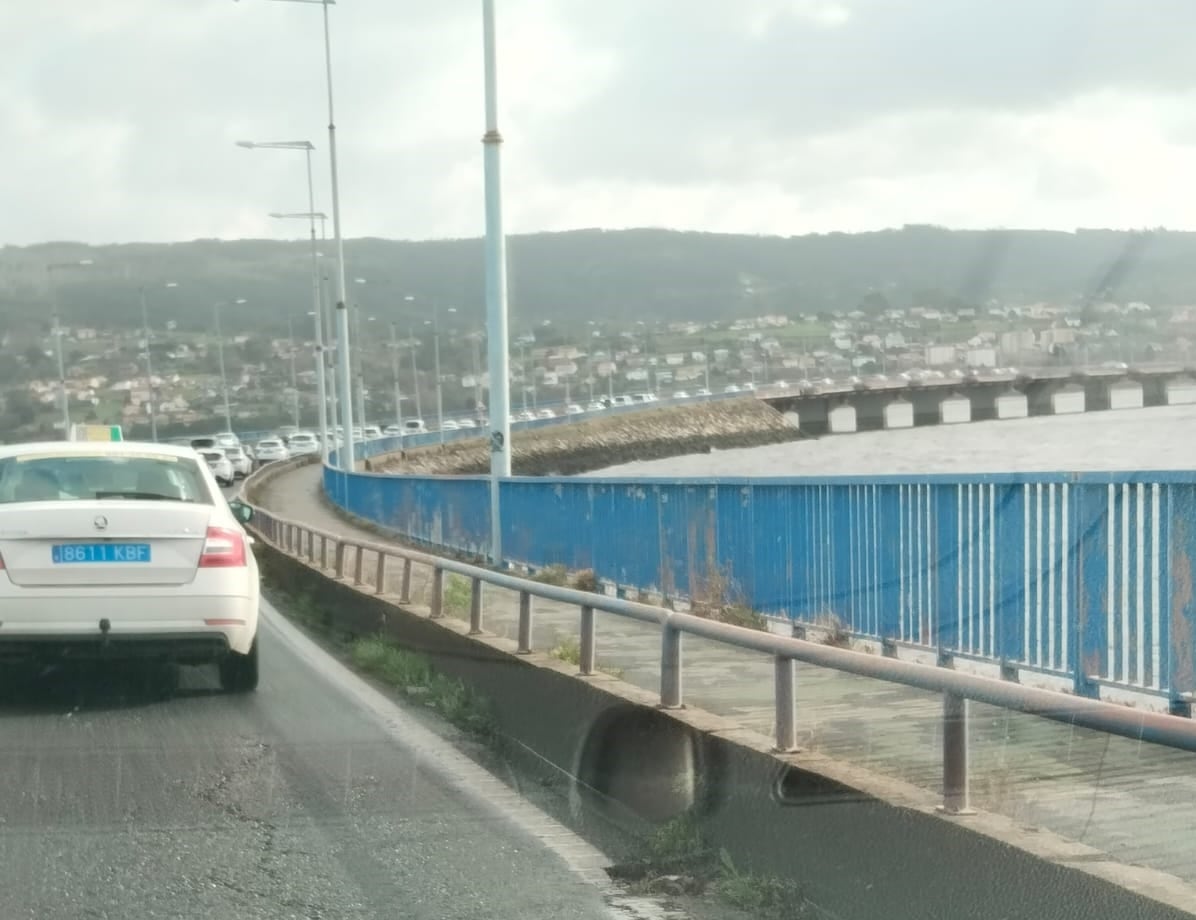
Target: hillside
{"points": [[618, 275]]}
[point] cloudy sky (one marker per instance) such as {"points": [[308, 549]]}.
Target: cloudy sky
{"points": [[118, 117]]}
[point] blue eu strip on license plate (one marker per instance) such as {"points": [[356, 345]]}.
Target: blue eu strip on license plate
{"points": [[99, 552]]}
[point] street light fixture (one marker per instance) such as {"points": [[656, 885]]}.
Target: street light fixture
{"points": [[347, 453], [53, 292], [321, 383], [228, 415], [149, 359]]}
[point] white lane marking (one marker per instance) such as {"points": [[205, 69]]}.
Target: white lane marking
{"points": [[488, 793]]}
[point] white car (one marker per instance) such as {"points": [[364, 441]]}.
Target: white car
{"points": [[596, 405], [414, 426], [372, 432], [545, 413], [303, 444], [241, 462], [680, 394], [732, 388], [703, 391], [527, 415], [467, 423], [272, 450], [123, 549], [227, 439], [392, 431], [574, 409], [219, 465], [450, 425], [623, 400]]}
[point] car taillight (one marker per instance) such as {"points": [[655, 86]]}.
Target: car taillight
{"points": [[222, 548]]}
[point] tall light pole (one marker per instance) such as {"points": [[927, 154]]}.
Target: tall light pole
{"points": [[347, 453], [394, 367], [228, 415], [496, 288], [53, 292], [149, 360], [317, 299], [414, 342], [294, 378], [359, 391]]}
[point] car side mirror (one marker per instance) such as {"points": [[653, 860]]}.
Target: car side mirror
{"points": [[242, 511]]}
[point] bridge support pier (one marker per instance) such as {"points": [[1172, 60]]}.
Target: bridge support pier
{"points": [[842, 420], [955, 410], [1068, 400], [1126, 394], [1012, 405], [899, 414], [1180, 391]]}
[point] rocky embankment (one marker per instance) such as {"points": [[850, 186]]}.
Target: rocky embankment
{"points": [[594, 443]]}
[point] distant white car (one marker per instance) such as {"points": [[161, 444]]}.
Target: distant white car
{"points": [[703, 391], [680, 394], [219, 465], [545, 413], [241, 462], [414, 426], [574, 409], [122, 549], [392, 431], [371, 432], [271, 450], [781, 384], [596, 405], [466, 423], [303, 444], [732, 388], [450, 425], [623, 400], [527, 415], [227, 439]]}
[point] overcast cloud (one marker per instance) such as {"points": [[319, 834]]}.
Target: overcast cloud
{"points": [[118, 117]]}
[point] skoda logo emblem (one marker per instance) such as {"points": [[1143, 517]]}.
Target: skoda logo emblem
{"points": [[101, 522]]}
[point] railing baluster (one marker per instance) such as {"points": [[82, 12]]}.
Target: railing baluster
{"points": [[525, 623], [340, 558], [358, 565], [586, 640], [670, 667], [475, 607], [380, 575], [955, 755], [405, 589], [437, 604], [323, 552], [786, 703], [311, 546]]}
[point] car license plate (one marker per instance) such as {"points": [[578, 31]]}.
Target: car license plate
{"points": [[67, 553]]}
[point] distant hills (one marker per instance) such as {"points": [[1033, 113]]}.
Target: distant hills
{"points": [[621, 276]]}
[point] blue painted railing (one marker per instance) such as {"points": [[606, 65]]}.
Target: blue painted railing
{"points": [[1086, 577]]}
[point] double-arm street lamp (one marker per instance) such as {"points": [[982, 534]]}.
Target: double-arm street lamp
{"points": [[321, 382]]}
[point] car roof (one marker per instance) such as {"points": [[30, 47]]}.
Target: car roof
{"points": [[93, 448]]}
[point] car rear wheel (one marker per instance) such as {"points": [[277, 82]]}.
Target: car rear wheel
{"points": [[238, 673]]}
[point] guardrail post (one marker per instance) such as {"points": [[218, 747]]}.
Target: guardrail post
{"points": [[785, 670], [405, 590], [670, 667], [525, 623], [340, 558], [287, 535], [585, 660], [437, 593], [475, 607], [380, 575], [311, 546], [358, 565], [955, 755], [324, 551]]}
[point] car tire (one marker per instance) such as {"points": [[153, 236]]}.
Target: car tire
{"points": [[238, 673]]}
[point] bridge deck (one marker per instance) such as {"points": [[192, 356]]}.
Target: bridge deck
{"points": [[1134, 802]]}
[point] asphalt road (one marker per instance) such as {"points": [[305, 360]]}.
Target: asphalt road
{"points": [[316, 797]]}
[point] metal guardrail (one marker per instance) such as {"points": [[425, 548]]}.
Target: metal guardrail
{"points": [[300, 540]]}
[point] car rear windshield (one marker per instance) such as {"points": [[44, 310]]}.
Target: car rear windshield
{"points": [[89, 477]]}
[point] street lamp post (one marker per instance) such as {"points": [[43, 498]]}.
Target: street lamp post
{"points": [[419, 412], [53, 291], [347, 453], [394, 367], [317, 296], [496, 288], [228, 415], [294, 378]]}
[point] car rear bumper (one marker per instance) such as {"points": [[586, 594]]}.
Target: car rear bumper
{"points": [[184, 648], [137, 619]]}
